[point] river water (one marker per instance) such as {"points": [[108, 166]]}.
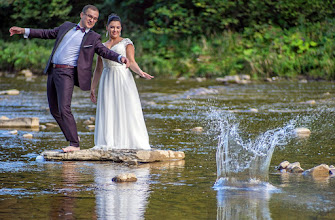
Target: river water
{"points": [[186, 189]]}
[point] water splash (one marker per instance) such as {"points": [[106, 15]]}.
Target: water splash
{"points": [[245, 159]]}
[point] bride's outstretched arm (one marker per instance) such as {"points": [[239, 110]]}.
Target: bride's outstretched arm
{"points": [[133, 65], [96, 78]]}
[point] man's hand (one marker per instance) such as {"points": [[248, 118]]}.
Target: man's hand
{"points": [[16, 30], [125, 61]]}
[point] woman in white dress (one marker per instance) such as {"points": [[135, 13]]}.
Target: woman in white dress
{"points": [[119, 118]]}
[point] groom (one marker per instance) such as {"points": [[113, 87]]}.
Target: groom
{"points": [[70, 64]]}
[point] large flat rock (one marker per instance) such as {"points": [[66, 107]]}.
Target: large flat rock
{"points": [[121, 156], [20, 123]]}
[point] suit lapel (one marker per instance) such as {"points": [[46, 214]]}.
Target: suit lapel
{"points": [[84, 38], [57, 44], [63, 34]]}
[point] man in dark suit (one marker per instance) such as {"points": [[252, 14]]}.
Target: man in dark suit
{"points": [[70, 64]]}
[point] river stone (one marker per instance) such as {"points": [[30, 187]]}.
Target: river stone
{"points": [[319, 171], [20, 122], [90, 127], [283, 165], [10, 92], [200, 91], [242, 79], [302, 132], [26, 73], [255, 110], [126, 156], [88, 122], [51, 125], [229, 79], [245, 77], [310, 102], [13, 132], [292, 165], [4, 118], [43, 127], [27, 135], [296, 169], [199, 79], [197, 129], [125, 177]]}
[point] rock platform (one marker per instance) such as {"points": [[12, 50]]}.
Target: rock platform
{"points": [[19, 123], [120, 156]]}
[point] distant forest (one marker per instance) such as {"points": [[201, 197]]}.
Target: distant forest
{"points": [[263, 38]]}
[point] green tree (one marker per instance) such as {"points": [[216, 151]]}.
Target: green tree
{"points": [[40, 13]]}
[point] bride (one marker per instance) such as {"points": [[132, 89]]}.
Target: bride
{"points": [[119, 118]]}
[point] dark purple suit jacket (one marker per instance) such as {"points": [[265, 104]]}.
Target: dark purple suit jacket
{"points": [[91, 44]]}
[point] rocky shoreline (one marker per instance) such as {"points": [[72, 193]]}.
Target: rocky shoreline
{"points": [[322, 170]]}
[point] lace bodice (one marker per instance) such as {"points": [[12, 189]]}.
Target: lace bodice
{"points": [[119, 48]]}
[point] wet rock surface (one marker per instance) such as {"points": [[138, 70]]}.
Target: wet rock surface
{"points": [[120, 156], [125, 177], [10, 92], [19, 123], [302, 132], [237, 79], [322, 170]]}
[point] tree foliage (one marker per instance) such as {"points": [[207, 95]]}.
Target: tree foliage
{"points": [[198, 17], [40, 13], [263, 38], [174, 17]]}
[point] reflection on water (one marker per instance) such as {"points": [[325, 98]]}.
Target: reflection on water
{"points": [[121, 200], [65, 207], [247, 203], [32, 190], [125, 200]]}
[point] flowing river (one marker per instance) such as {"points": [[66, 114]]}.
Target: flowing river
{"points": [[230, 167]]}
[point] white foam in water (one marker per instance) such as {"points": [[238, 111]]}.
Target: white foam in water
{"points": [[254, 185], [244, 164], [40, 158]]}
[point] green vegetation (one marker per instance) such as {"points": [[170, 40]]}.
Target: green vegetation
{"points": [[200, 37], [264, 52]]}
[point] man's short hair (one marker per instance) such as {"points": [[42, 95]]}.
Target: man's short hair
{"points": [[92, 7]]}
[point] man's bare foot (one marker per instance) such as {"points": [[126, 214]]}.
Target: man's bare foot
{"points": [[70, 148]]}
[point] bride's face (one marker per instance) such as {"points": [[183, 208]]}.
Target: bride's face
{"points": [[114, 29]]}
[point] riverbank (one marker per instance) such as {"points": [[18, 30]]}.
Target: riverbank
{"points": [[263, 52]]}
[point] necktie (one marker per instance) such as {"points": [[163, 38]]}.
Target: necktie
{"points": [[79, 28]]}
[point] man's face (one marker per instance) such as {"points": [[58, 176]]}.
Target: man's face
{"points": [[89, 18]]}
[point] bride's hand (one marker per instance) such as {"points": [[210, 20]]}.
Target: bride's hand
{"points": [[93, 96], [145, 75]]}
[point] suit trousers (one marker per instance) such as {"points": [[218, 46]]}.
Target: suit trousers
{"points": [[60, 87]]}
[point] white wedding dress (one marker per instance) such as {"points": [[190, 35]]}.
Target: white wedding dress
{"points": [[119, 118]]}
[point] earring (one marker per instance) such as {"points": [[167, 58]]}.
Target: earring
{"points": [[107, 34], [120, 33]]}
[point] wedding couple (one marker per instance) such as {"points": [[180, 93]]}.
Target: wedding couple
{"points": [[119, 118]]}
